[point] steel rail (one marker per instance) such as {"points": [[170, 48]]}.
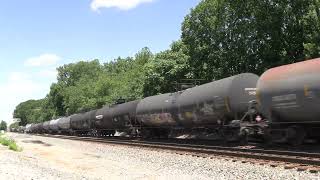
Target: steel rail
{"points": [[302, 158]]}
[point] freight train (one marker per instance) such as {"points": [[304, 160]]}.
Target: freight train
{"points": [[280, 106]]}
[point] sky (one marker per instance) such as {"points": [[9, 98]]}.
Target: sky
{"points": [[37, 36]]}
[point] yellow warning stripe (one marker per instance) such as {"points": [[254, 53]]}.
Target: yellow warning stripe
{"points": [[306, 90], [226, 103], [258, 97]]}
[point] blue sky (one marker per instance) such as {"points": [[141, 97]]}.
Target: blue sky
{"points": [[36, 36]]}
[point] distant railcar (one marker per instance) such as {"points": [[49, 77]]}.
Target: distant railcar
{"points": [[121, 117], [28, 130], [40, 128], [46, 127], [53, 126], [82, 123], [31, 128], [64, 125]]}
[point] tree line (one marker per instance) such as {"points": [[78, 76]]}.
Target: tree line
{"points": [[219, 38]]}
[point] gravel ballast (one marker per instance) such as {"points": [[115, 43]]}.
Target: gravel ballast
{"points": [[51, 158]]}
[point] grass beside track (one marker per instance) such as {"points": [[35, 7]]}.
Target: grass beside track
{"points": [[10, 143]]}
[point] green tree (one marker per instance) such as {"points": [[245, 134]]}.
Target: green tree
{"points": [[54, 100], [127, 76], [74, 80], [312, 23], [29, 111], [3, 126], [143, 56], [226, 37], [86, 95], [165, 69], [69, 74], [14, 126]]}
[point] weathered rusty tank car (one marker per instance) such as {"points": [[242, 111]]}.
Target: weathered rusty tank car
{"points": [[289, 98]]}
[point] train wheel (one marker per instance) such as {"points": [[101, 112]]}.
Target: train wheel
{"points": [[295, 135], [267, 137], [231, 135], [162, 133], [243, 136], [147, 134]]}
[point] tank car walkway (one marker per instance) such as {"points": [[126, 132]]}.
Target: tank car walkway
{"points": [[51, 158]]}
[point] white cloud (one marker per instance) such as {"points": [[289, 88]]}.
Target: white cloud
{"points": [[48, 73], [18, 77], [19, 87], [120, 4], [43, 60]]}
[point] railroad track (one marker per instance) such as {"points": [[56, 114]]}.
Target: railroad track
{"points": [[301, 161]]}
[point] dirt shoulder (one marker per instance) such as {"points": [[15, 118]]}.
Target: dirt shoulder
{"points": [[51, 158]]}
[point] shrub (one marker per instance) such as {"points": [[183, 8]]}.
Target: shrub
{"points": [[10, 143]]}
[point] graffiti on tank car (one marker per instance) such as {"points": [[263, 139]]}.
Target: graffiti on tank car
{"points": [[155, 117], [158, 118], [145, 117], [167, 117], [185, 115], [188, 114], [164, 116], [207, 109]]}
